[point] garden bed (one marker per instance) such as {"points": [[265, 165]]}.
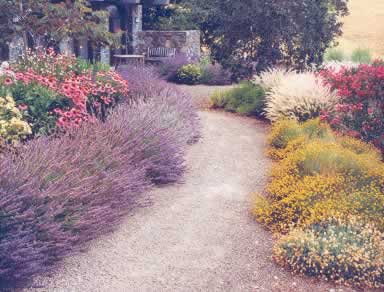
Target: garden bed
{"points": [[79, 146]]}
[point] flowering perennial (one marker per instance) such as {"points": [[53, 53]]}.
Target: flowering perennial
{"points": [[360, 111], [320, 176], [89, 92]]}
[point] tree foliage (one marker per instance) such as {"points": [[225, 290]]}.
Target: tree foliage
{"points": [[51, 21], [253, 34]]}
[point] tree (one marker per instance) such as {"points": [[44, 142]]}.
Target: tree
{"points": [[250, 35], [51, 21], [176, 16]]}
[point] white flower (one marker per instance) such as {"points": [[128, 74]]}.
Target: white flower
{"points": [[4, 65]]}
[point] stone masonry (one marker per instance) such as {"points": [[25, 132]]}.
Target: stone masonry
{"points": [[185, 42]]}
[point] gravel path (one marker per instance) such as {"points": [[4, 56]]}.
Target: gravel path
{"points": [[197, 236]]}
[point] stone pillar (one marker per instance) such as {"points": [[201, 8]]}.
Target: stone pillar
{"points": [[136, 25], [66, 46], [105, 55], [16, 47]]}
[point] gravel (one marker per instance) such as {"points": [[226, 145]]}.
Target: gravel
{"points": [[195, 236]]}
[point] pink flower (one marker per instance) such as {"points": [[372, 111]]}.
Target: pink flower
{"points": [[8, 81], [23, 107]]}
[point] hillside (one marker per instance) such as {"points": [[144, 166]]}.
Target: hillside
{"points": [[364, 27]]}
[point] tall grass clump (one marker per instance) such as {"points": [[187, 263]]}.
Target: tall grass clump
{"points": [[272, 77], [361, 56], [300, 96], [334, 54]]}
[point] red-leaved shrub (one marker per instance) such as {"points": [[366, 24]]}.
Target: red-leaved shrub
{"points": [[360, 112]]}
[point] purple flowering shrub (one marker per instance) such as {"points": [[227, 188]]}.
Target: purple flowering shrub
{"points": [[168, 68], [59, 192], [215, 74], [175, 106]]}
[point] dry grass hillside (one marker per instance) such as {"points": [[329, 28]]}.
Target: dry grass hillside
{"points": [[364, 27]]}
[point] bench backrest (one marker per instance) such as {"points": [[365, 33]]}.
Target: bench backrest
{"points": [[161, 52]]}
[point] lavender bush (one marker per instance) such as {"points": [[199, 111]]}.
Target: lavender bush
{"points": [[57, 193], [215, 74], [168, 68], [175, 106]]}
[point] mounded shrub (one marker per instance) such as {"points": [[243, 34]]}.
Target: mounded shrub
{"points": [[346, 251], [145, 84], [57, 193], [215, 74], [247, 98], [320, 174], [12, 127], [189, 74], [168, 68], [288, 135]]}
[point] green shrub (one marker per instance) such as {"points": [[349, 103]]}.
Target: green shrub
{"points": [[361, 56], [347, 252], [334, 54], [247, 99], [189, 74], [40, 102]]}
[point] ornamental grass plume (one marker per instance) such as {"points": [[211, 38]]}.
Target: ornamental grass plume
{"points": [[272, 77], [300, 96]]}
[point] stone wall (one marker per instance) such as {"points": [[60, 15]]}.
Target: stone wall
{"points": [[186, 42]]}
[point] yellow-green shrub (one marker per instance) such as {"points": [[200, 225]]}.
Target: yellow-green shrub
{"points": [[346, 251], [12, 127], [319, 180], [359, 147], [288, 135]]}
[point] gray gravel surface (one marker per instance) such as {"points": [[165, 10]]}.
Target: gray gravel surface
{"points": [[196, 236]]}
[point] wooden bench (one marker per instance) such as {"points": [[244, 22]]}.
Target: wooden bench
{"points": [[128, 59], [160, 54]]}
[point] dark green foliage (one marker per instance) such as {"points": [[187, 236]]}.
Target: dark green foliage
{"points": [[251, 35], [41, 102], [172, 17], [247, 99], [45, 22]]}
